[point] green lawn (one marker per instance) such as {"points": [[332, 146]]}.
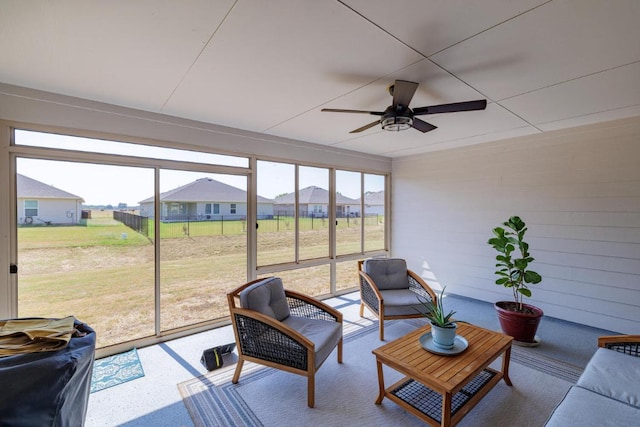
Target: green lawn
{"points": [[104, 273]]}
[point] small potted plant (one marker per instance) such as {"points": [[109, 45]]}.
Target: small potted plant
{"points": [[516, 318], [443, 328]]}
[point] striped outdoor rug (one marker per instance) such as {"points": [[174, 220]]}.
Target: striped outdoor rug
{"points": [[345, 393]]}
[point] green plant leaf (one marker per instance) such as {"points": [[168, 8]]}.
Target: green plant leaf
{"points": [[520, 264], [435, 311], [532, 277], [516, 223], [524, 291]]}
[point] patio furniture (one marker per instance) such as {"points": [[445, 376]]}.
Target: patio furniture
{"points": [[391, 291], [283, 329], [439, 389], [607, 392]]}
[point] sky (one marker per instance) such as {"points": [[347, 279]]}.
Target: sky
{"points": [[101, 184]]}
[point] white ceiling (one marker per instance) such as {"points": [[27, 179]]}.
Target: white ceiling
{"points": [[270, 66]]}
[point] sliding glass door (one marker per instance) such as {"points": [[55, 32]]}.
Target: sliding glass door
{"points": [[143, 242], [135, 249], [203, 244], [81, 250]]}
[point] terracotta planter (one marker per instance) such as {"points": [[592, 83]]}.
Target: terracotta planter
{"points": [[522, 326]]}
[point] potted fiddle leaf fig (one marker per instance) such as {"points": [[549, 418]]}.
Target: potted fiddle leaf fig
{"points": [[443, 327], [516, 318]]}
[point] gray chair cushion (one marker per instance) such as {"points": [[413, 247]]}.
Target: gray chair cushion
{"points": [[387, 273], [324, 334], [582, 407], [401, 302], [614, 375], [266, 297]]}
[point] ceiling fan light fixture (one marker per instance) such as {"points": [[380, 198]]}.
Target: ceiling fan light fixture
{"points": [[398, 116], [396, 123]]}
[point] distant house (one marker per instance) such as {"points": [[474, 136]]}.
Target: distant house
{"points": [[314, 202], [374, 203], [205, 199], [40, 203]]}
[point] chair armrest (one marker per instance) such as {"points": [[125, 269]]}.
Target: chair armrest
{"points": [[306, 306], [419, 286], [369, 292], [267, 339], [628, 344]]}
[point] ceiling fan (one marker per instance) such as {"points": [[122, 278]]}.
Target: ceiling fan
{"points": [[398, 116]]}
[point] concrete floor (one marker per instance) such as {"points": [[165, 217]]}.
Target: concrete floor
{"points": [[154, 400]]}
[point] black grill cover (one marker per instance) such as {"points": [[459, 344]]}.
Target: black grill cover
{"points": [[48, 388]]}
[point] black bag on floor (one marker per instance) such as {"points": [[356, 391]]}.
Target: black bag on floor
{"points": [[212, 358]]}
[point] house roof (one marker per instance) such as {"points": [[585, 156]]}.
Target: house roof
{"points": [[30, 188], [206, 190], [374, 198], [314, 195]]}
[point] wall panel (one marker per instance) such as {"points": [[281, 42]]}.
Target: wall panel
{"points": [[578, 191]]}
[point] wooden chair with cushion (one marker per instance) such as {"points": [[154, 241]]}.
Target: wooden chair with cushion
{"points": [[391, 291], [283, 329]]}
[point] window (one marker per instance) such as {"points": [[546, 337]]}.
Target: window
{"points": [[67, 142], [275, 235], [115, 268], [349, 230], [374, 210], [153, 262], [30, 208]]}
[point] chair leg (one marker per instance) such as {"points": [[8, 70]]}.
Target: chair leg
{"points": [[340, 351], [361, 309], [311, 390], [381, 327], [236, 375]]}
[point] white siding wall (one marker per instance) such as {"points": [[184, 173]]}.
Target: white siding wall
{"points": [[225, 209], [146, 209], [56, 211], [374, 209], [578, 190], [354, 209], [265, 209]]}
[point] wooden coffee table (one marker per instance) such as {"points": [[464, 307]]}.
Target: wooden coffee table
{"points": [[439, 389]]}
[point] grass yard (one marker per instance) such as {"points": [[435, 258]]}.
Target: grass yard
{"points": [[103, 273]]}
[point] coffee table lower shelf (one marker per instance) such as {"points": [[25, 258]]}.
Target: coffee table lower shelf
{"points": [[423, 402]]}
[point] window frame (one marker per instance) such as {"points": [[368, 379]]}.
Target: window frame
{"points": [[253, 271]]}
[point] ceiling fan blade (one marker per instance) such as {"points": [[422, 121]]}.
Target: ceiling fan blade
{"points": [[338, 110], [423, 126], [403, 92], [365, 127], [480, 104]]}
